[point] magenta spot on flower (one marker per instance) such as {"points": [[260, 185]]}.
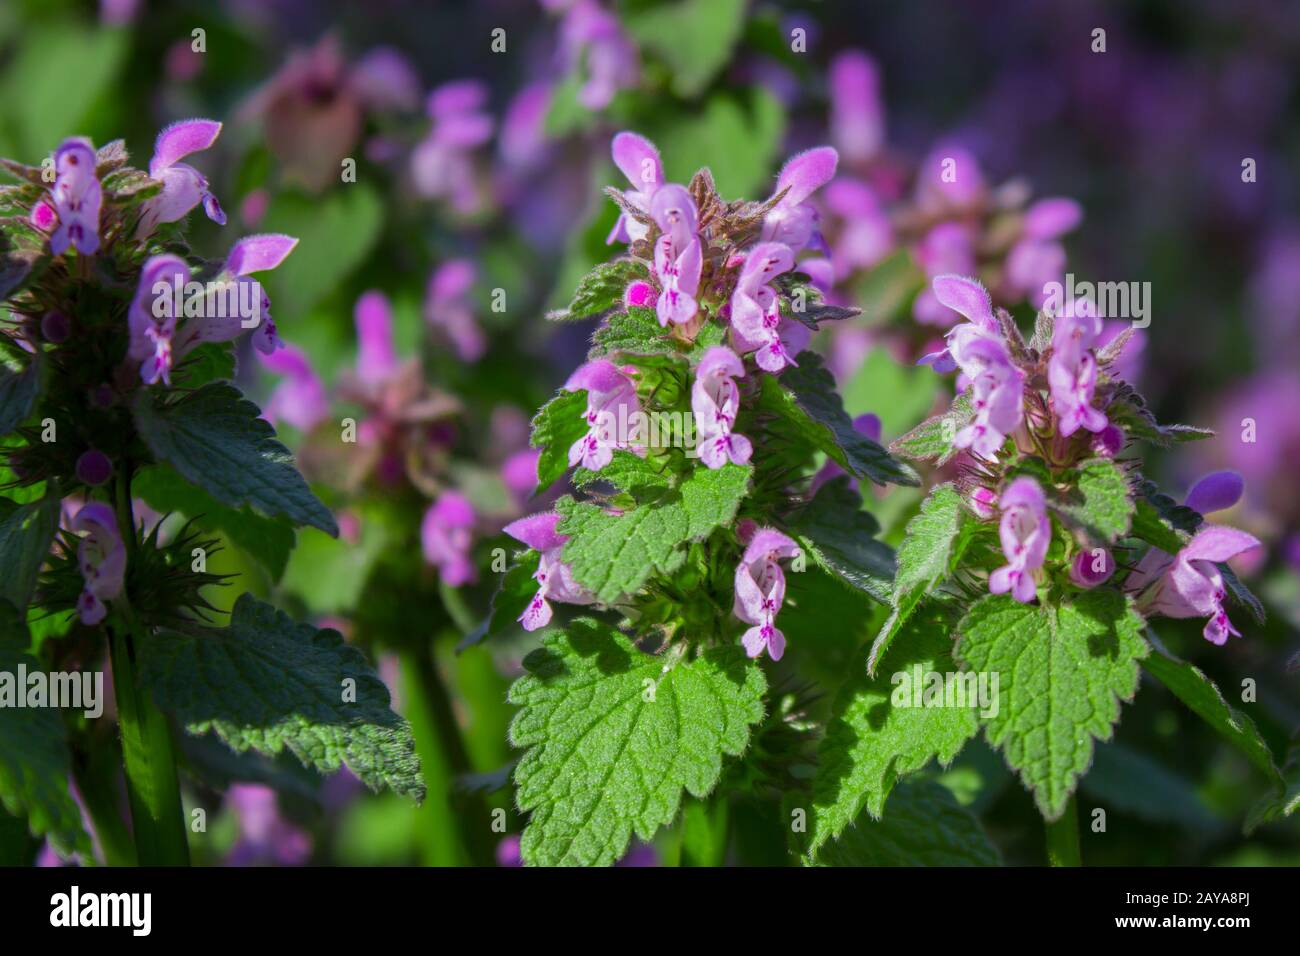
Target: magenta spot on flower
{"points": [[640, 294]]}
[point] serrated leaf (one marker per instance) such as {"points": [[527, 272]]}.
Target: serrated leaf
{"points": [[640, 477], [1099, 501], [559, 423], [266, 683], [612, 555], [34, 761], [635, 331], [1129, 411], [268, 540], [1190, 685], [932, 440], [840, 537], [872, 741], [932, 546], [806, 397], [615, 735], [923, 825], [1155, 529], [26, 532], [1063, 671], [601, 290], [19, 389], [214, 438]]}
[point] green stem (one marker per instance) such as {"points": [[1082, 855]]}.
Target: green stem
{"points": [[157, 817], [1063, 837], [443, 758]]}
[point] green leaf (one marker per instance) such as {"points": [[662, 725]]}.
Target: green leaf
{"points": [[335, 232], [615, 735], [26, 532], [330, 574], [1242, 594], [1099, 500], [20, 387], [934, 543], [34, 761], [1285, 800], [840, 537], [601, 290], [214, 438], [634, 332], [517, 588], [210, 362], [694, 37], [1129, 411], [1063, 672], [561, 422], [613, 555], [708, 137], [1155, 529], [806, 397], [932, 440], [923, 825], [265, 683], [268, 540], [876, 735], [1190, 685], [630, 473]]}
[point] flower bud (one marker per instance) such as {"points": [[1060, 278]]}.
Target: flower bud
{"points": [[1092, 567], [94, 467], [984, 502]]}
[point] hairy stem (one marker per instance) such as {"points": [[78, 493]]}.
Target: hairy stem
{"points": [[1063, 837], [157, 817]]}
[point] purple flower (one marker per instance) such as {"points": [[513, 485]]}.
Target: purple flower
{"points": [[984, 502], [265, 837], [554, 578], [866, 235], [641, 294], [947, 248], [760, 590], [793, 221], [151, 333], [977, 348], [385, 80], [638, 160], [949, 180], [93, 467], [1037, 258], [1217, 491], [246, 303], [184, 187], [300, 398], [1092, 567], [612, 412], [755, 309], [1191, 585], [446, 535], [715, 400], [77, 196], [1025, 531], [447, 307], [1108, 442], [678, 257], [1072, 372], [102, 559], [857, 112], [376, 358], [592, 37], [442, 165], [519, 473]]}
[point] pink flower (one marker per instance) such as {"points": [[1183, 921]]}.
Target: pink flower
{"points": [[1037, 258], [1191, 585], [947, 248], [865, 236], [102, 559], [755, 308], [151, 320], [77, 198], [638, 160], [554, 578], [640, 294], [376, 358], [1091, 567], [715, 400], [612, 412], [1072, 371], [949, 180], [760, 591], [442, 165], [793, 221], [447, 307], [300, 398], [184, 187], [446, 536], [592, 37], [857, 111], [678, 258], [1025, 531]]}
